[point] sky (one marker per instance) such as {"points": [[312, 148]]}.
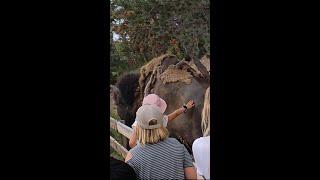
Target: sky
{"points": [[115, 36]]}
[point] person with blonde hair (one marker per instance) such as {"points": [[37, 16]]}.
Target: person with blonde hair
{"points": [[201, 146], [155, 100], [157, 156]]}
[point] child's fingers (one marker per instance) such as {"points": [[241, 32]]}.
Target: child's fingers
{"points": [[191, 103]]}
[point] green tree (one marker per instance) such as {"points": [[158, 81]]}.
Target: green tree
{"points": [[149, 28]]}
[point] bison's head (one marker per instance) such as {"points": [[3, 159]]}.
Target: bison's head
{"points": [[125, 96]]}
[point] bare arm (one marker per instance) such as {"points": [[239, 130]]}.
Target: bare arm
{"points": [[133, 139], [190, 173], [175, 114], [179, 111], [128, 157]]}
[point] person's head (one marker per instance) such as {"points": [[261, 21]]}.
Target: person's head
{"points": [[150, 129], [205, 122], [121, 170], [153, 99]]}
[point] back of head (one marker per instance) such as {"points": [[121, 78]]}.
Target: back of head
{"points": [[150, 129], [120, 170], [151, 136], [205, 121]]}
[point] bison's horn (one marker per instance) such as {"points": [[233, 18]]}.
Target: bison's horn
{"points": [[202, 69], [148, 86]]}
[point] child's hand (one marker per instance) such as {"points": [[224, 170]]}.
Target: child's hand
{"points": [[190, 104]]}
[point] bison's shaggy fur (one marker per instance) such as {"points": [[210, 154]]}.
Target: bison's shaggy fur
{"points": [[133, 85], [168, 73], [155, 62], [128, 84], [173, 74], [147, 70]]}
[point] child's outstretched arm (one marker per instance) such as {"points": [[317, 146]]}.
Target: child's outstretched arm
{"points": [[179, 111]]}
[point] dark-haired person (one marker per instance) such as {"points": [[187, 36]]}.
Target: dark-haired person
{"points": [[120, 170], [156, 156]]}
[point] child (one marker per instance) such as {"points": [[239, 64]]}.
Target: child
{"points": [[155, 100]]}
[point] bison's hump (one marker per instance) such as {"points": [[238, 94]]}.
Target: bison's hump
{"points": [[173, 74]]}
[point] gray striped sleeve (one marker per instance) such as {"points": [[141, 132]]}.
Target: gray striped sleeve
{"points": [[187, 159]]}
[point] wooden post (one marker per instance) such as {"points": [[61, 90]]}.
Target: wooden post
{"points": [[124, 130], [125, 141], [117, 147], [121, 128]]}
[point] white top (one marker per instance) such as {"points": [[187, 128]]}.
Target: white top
{"points": [[165, 122], [201, 154]]}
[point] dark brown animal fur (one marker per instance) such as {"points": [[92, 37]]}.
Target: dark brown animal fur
{"points": [[126, 99]]}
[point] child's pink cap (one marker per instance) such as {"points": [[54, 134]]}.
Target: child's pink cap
{"points": [[153, 99]]}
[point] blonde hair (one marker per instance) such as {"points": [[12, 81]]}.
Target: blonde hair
{"points": [[151, 136], [205, 121]]}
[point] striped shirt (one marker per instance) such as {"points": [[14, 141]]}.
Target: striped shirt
{"points": [[163, 160]]}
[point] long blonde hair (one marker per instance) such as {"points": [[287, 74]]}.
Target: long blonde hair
{"points": [[151, 136], [205, 120]]}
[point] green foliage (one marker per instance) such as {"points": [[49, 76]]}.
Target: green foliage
{"points": [[118, 62], [149, 28], [118, 138], [114, 134]]}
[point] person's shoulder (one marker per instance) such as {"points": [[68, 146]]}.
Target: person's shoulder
{"points": [[135, 148], [174, 141], [201, 141]]}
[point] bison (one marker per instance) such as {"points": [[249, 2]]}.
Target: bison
{"points": [[174, 81]]}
